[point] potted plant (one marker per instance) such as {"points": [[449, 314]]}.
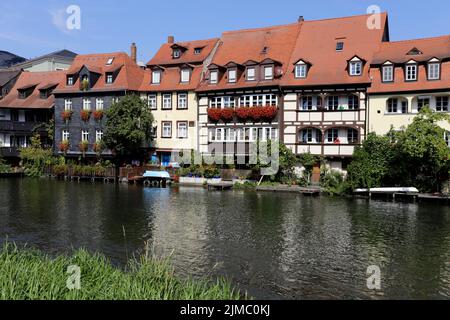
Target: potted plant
{"points": [[66, 115], [84, 86], [214, 114], [64, 146], [98, 115], [227, 114], [98, 147], [243, 113], [83, 146], [85, 115]]}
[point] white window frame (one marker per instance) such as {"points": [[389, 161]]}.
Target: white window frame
{"points": [[300, 71], [388, 73], [251, 74], [99, 104], [333, 136], [213, 76], [421, 103], [355, 68], [84, 135], [167, 101], [268, 73], [232, 75], [70, 81], [349, 98], [411, 72], [86, 104], [442, 103], [152, 101], [434, 71], [98, 135], [215, 102], [176, 53], [182, 101], [228, 102], [156, 76], [166, 129], [65, 135], [258, 100], [185, 75], [68, 104], [332, 107], [179, 130]]}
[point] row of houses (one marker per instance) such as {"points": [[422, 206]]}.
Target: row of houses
{"points": [[318, 86]]}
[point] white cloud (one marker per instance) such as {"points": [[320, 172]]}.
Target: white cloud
{"points": [[59, 20]]}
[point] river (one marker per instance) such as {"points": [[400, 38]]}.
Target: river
{"points": [[273, 246]]}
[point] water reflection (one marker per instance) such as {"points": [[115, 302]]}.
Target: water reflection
{"points": [[273, 245]]}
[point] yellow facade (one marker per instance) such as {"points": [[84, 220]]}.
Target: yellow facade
{"points": [[175, 116], [380, 120]]}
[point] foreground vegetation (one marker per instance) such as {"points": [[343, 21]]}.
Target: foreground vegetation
{"points": [[29, 274]]}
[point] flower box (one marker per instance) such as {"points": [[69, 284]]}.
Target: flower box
{"points": [[98, 115], [214, 114], [85, 115], [66, 115], [64, 146]]}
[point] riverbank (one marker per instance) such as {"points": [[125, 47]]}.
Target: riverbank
{"points": [[29, 274]]}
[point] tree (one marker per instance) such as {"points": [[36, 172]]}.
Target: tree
{"points": [[35, 157], [129, 125], [371, 162], [424, 151]]}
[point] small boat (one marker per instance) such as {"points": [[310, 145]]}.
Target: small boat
{"points": [[157, 175], [389, 190]]}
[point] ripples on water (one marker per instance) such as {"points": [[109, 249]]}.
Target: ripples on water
{"points": [[275, 246]]}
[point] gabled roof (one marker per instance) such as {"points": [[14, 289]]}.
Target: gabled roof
{"points": [[317, 42], [164, 54], [253, 46], [170, 80], [38, 81], [397, 52], [8, 75], [57, 55], [129, 75]]}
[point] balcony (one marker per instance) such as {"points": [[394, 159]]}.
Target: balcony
{"points": [[21, 127], [9, 152]]}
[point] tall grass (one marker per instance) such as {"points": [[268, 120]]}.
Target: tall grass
{"points": [[30, 274]]}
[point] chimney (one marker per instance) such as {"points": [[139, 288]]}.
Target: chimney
{"points": [[170, 39], [301, 19], [134, 52]]}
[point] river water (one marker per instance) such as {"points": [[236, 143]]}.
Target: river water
{"points": [[273, 246]]}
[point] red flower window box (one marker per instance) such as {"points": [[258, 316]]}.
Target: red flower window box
{"points": [[214, 114], [227, 114], [98, 115], [85, 115], [66, 115]]}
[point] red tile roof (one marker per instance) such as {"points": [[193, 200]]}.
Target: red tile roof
{"points": [[164, 54], [317, 42], [170, 80], [38, 80], [129, 77], [397, 53], [248, 45]]}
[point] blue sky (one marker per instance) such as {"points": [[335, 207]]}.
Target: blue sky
{"points": [[32, 28]]}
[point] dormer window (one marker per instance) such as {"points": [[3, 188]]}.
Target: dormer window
{"points": [[268, 73], [185, 75], [110, 61], [411, 71], [434, 70], [156, 77], [339, 46], [355, 68], [197, 50], [232, 75], [301, 70], [176, 53], [44, 94], [70, 81], [251, 74], [388, 72], [213, 76], [109, 78]]}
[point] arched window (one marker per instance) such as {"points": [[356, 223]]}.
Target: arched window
{"points": [[397, 105], [310, 135]]}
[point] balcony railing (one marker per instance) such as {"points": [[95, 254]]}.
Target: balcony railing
{"points": [[26, 127]]}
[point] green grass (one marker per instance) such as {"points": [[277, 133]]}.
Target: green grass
{"points": [[29, 274]]}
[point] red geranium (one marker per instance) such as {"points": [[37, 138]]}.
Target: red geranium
{"points": [[66, 115], [227, 114], [269, 113], [85, 115], [98, 115], [243, 113], [256, 113], [214, 114]]}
